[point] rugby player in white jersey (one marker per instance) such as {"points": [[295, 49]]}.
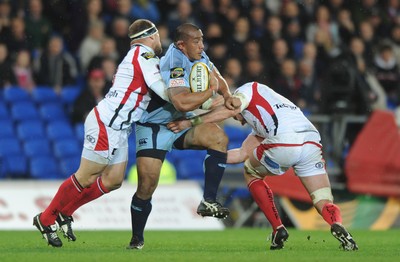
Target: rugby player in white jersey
{"points": [[107, 127], [282, 137]]}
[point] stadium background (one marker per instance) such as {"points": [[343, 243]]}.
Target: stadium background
{"points": [[337, 60]]}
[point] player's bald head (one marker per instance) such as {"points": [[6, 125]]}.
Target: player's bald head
{"points": [[183, 31]]}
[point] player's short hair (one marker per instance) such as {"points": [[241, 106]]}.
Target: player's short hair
{"points": [[182, 31], [141, 28]]}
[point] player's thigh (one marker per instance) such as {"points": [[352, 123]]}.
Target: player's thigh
{"points": [[88, 171], [155, 137], [114, 174], [208, 135], [313, 183]]}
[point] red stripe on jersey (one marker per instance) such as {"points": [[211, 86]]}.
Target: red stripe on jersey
{"points": [[102, 141], [258, 100], [137, 81], [263, 147]]}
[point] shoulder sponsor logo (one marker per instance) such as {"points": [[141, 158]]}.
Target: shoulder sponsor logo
{"points": [[176, 82], [177, 72], [148, 55]]}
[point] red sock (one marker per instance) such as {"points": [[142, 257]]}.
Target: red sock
{"points": [[69, 191], [264, 197], [331, 213], [88, 194]]}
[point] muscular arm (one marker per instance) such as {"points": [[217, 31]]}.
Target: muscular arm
{"points": [[184, 100], [239, 155]]}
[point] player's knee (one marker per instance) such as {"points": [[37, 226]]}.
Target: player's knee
{"points": [[250, 170], [323, 194]]}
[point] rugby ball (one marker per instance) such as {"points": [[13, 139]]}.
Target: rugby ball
{"points": [[199, 81]]}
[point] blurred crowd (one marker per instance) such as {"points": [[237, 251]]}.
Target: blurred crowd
{"points": [[326, 56]]}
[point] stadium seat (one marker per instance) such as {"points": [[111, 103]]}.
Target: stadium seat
{"points": [[30, 129], [6, 128], [69, 94], [3, 110], [59, 130], [37, 147], [42, 94], [69, 165], [236, 133], [44, 167], [80, 131], [10, 146], [15, 95], [15, 166], [52, 112], [67, 148], [190, 169], [24, 111]]}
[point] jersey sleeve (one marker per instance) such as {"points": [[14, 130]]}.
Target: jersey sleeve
{"points": [[150, 65]]}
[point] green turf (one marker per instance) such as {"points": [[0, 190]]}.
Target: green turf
{"points": [[228, 245]]}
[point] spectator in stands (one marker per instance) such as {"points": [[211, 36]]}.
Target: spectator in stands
{"points": [[165, 36], [395, 39], [217, 51], [280, 52], [205, 12], [6, 74], [295, 39], [387, 72], [228, 15], [17, 39], [367, 34], [240, 36], [119, 33], [91, 44], [124, 10], [56, 67], [233, 73], [5, 20], [108, 50], [183, 13], [311, 86], [38, 27], [90, 96], [22, 70], [347, 29], [257, 16], [274, 31], [109, 67], [289, 84], [145, 9], [324, 32], [255, 69]]}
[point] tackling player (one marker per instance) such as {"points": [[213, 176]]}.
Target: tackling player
{"points": [[107, 127], [282, 137], [154, 140]]}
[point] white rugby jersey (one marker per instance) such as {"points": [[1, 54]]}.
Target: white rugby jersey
{"points": [[129, 95], [269, 113]]}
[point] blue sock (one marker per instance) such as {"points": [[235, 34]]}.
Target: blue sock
{"points": [[140, 211], [214, 167]]}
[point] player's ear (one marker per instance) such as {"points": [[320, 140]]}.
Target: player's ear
{"points": [[180, 44]]}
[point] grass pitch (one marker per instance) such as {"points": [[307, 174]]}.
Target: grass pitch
{"points": [[228, 245]]}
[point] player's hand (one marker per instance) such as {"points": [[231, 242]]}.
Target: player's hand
{"points": [[232, 102], [179, 125]]}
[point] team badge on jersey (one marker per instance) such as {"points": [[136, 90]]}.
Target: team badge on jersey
{"points": [[148, 55], [177, 72]]}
